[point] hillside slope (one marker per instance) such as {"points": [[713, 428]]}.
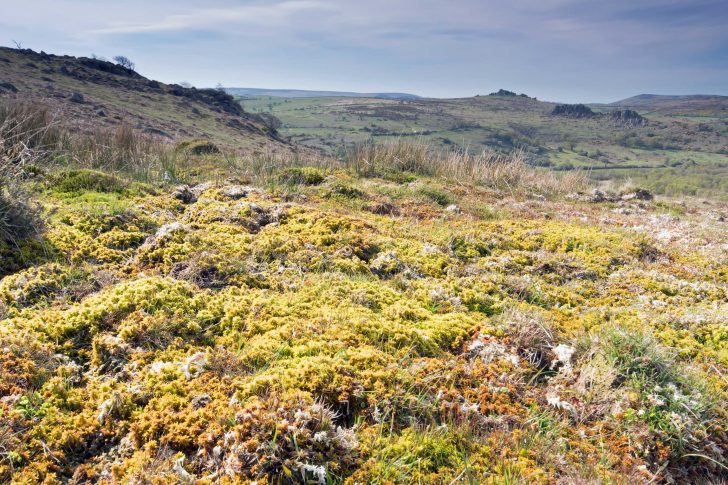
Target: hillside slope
{"points": [[92, 93], [696, 105]]}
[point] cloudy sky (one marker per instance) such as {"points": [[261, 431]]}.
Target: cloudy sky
{"points": [[566, 50]]}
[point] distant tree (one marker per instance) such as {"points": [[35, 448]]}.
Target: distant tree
{"points": [[185, 84], [124, 62], [220, 87]]}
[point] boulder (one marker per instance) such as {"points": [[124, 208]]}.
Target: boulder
{"points": [[184, 194], [8, 87]]}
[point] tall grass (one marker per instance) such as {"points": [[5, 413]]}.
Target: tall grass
{"points": [[33, 134], [501, 171], [26, 132]]}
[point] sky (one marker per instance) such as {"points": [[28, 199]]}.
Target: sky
{"points": [[556, 50]]}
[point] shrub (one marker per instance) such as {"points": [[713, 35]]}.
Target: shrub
{"points": [[124, 61], [301, 176], [347, 191], [198, 147], [437, 196], [72, 181]]}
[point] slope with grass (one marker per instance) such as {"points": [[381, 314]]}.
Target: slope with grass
{"points": [[706, 106], [390, 320], [95, 94], [681, 150]]}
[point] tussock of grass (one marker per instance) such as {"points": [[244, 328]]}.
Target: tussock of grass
{"points": [[489, 168]]}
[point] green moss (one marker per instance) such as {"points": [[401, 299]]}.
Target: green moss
{"points": [[75, 181], [437, 196], [301, 176], [311, 339]]}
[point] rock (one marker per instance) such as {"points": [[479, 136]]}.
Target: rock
{"points": [[77, 97], [598, 196], [101, 113], [170, 228], [386, 264], [644, 194], [628, 117], [8, 87], [201, 401], [236, 192], [573, 111], [453, 209], [184, 194]]}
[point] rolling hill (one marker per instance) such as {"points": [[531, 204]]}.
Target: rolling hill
{"points": [[698, 105], [679, 146], [300, 93], [90, 93]]}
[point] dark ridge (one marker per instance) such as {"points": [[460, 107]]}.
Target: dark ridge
{"points": [[106, 66]]}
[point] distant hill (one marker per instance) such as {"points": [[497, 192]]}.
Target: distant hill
{"points": [[300, 93], [92, 93], [697, 104]]}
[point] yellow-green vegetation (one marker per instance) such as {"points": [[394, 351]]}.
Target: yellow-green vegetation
{"points": [[328, 327]]}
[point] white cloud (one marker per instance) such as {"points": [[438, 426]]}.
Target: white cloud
{"points": [[260, 15]]}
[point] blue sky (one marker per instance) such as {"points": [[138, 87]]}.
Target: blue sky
{"points": [[565, 50]]}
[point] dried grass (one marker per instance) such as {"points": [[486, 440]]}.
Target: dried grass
{"points": [[499, 171]]}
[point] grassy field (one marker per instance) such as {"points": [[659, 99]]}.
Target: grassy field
{"points": [[396, 316], [684, 143]]}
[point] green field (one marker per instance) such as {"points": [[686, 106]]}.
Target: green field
{"points": [[683, 149]]}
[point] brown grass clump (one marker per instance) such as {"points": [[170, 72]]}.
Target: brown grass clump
{"points": [[500, 171], [26, 132]]}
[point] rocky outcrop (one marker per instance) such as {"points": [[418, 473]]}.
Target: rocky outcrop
{"points": [[573, 111], [627, 117]]}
